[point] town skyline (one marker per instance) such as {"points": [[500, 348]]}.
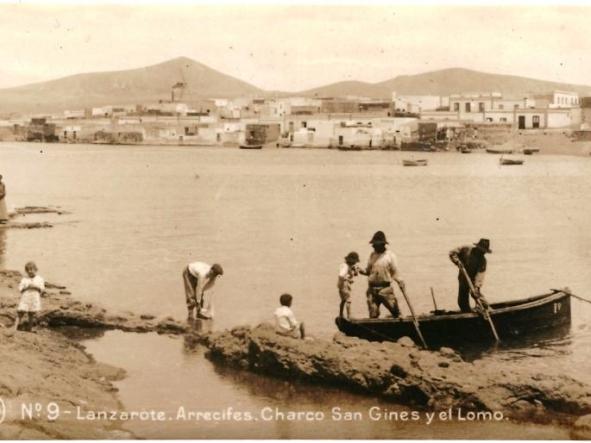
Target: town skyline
{"points": [[294, 48]]}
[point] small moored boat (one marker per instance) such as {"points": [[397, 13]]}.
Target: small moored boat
{"points": [[510, 161], [245, 146], [420, 162], [512, 320], [530, 151], [499, 151]]}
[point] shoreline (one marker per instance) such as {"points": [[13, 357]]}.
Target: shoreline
{"points": [[551, 143], [395, 371]]}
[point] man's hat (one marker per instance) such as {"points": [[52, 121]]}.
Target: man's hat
{"points": [[352, 256], [378, 237], [484, 244]]}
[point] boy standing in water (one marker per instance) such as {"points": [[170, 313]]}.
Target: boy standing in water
{"points": [[31, 287], [347, 272]]}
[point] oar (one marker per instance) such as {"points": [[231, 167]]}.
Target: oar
{"points": [[414, 317], [485, 312], [433, 297], [567, 291]]}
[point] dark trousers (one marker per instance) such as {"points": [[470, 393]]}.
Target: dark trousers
{"points": [[464, 295], [190, 283], [376, 297]]}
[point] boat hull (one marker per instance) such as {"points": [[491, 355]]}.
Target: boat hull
{"points": [[506, 162], [499, 151], [513, 320], [414, 162]]}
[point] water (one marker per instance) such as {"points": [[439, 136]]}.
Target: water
{"points": [[282, 221], [193, 383]]}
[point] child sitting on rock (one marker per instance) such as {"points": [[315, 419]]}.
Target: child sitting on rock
{"points": [[31, 287], [285, 321], [347, 271]]}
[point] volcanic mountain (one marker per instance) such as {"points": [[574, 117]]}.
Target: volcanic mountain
{"points": [[153, 83], [446, 82], [148, 84]]}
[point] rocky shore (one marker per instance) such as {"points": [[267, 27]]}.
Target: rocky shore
{"points": [[400, 372], [45, 370], [13, 223], [404, 373]]}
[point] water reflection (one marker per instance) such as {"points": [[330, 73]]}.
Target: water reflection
{"points": [[550, 342], [80, 334], [2, 247], [197, 328]]}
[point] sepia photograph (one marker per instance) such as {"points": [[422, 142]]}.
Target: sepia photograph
{"points": [[295, 220]]}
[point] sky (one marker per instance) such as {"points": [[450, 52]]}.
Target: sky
{"points": [[291, 46]]}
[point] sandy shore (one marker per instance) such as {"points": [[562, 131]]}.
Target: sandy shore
{"points": [[44, 367], [551, 143]]}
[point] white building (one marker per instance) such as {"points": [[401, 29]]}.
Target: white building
{"points": [[558, 99], [418, 103]]}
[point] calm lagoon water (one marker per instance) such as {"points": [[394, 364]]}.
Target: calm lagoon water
{"points": [[282, 221]]}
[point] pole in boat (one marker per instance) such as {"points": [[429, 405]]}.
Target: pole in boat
{"points": [[414, 317], [485, 311], [568, 291], [433, 297]]}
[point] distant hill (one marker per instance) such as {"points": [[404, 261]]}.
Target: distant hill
{"points": [[153, 83], [148, 84], [342, 89], [446, 82]]}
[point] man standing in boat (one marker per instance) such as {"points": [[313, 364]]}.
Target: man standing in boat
{"points": [[382, 271], [474, 261]]}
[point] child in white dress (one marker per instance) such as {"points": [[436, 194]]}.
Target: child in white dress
{"points": [[31, 287]]}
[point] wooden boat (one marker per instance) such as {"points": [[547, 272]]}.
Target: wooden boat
{"points": [[512, 319], [420, 162], [510, 161], [247, 146], [465, 150], [530, 151], [499, 151]]}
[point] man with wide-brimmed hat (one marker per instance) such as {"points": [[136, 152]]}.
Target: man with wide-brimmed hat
{"points": [[474, 261], [382, 271]]}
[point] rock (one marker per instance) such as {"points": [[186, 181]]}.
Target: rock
{"points": [[581, 430], [147, 317], [11, 431], [171, 326], [448, 352], [398, 371], [32, 434], [406, 341], [8, 387], [402, 373]]}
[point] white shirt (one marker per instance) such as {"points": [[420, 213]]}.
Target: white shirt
{"points": [[285, 320], [199, 269], [34, 285], [344, 270], [346, 274], [382, 268]]}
